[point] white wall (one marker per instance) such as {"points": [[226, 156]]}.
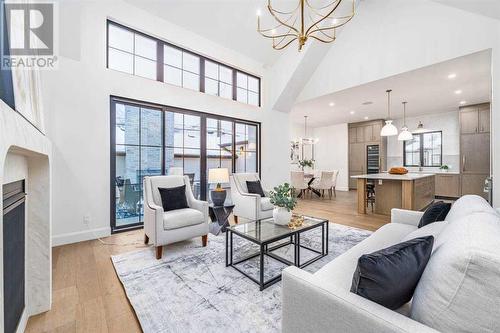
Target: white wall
{"points": [[77, 102], [446, 122], [331, 152], [388, 37]]}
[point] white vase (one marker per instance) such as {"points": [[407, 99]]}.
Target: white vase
{"points": [[281, 215]]}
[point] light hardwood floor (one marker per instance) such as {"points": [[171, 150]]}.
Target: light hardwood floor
{"points": [[88, 297]]}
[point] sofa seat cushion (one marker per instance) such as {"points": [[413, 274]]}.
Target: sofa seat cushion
{"points": [[181, 218], [458, 291], [466, 205], [265, 204], [338, 273]]}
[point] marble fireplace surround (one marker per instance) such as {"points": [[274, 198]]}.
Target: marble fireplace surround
{"points": [[25, 152]]}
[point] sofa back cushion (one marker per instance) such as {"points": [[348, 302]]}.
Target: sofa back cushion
{"points": [[459, 289], [466, 205]]}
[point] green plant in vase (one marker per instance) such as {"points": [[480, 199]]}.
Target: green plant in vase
{"points": [[306, 163], [284, 202]]}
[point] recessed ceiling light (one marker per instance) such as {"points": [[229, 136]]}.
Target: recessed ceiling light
{"points": [[458, 92], [463, 102], [452, 76], [352, 112], [366, 118], [367, 103], [331, 104]]}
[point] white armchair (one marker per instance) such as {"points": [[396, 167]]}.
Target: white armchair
{"points": [[248, 205], [164, 228]]}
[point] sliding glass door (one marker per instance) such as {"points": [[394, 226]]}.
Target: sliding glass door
{"points": [[148, 140]]}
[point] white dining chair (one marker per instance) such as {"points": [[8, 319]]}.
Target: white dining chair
{"points": [[327, 181], [298, 182]]}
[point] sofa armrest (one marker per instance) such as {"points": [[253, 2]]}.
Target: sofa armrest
{"points": [[411, 217], [201, 206], [308, 307]]}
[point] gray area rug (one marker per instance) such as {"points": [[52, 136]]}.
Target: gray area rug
{"points": [[191, 290]]}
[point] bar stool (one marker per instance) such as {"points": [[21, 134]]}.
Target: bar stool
{"points": [[370, 195]]}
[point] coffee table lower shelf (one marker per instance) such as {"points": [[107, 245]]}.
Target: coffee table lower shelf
{"points": [[266, 250]]}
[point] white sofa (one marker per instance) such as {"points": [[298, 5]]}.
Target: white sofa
{"points": [[248, 205], [459, 290], [163, 228]]}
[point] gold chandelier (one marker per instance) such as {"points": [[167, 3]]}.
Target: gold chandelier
{"points": [[292, 24]]}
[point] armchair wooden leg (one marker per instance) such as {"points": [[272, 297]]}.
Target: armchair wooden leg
{"points": [[159, 252], [146, 239], [235, 219], [204, 240]]}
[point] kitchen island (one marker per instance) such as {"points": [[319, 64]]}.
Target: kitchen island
{"points": [[413, 191]]}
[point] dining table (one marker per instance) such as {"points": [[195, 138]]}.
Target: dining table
{"points": [[310, 177]]}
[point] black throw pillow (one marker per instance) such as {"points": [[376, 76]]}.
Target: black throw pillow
{"points": [[389, 276], [434, 213], [173, 198], [255, 187]]}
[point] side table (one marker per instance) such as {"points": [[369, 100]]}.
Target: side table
{"points": [[219, 216]]}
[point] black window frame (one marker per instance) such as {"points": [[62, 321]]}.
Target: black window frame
{"points": [[160, 63], [421, 164], [203, 150]]}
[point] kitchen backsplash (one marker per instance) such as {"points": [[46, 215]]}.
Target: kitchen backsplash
{"points": [[453, 161]]}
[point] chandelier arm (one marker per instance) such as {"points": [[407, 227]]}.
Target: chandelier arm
{"points": [[278, 36], [317, 11], [320, 8], [333, 27], [280, 12], [282, 47], [276, 27], [324, 17], [322, 40], [279, 20], [321, 31]]}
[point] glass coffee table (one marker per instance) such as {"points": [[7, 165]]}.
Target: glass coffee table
{"points": [[265, 233]]}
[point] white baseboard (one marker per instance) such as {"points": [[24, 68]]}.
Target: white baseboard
{"points": [[80, 236], [344, 189]]}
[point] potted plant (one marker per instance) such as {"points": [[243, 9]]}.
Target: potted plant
{"points": [[306, 163], [284, 202], [444, 168]]}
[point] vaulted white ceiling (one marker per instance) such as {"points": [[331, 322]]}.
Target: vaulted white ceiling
{"points": [[230, 23], [427, 90], [490, 8]]}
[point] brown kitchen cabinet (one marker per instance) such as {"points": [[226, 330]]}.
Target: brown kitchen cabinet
{"points": [[447, 185], [362, 135]]}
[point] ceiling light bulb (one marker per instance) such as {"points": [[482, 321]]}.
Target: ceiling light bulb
{"points": [[331, 104], [273, 32], [335, 21], [458, 92], [366, 118], [463, 102], [259, 12], [352, 112], [452, 76]]}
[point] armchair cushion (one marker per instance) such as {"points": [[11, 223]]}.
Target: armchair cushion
{"points": [[265, 204], [173, 198], [181, 218], [255, 187]]}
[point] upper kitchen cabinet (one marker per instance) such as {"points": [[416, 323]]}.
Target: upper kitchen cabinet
{"points": [[475, 119]]}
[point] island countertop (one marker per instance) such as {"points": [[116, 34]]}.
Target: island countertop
{"points": [[388, 176]]}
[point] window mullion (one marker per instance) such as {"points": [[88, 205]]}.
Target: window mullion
{"points": [[159, 62]]}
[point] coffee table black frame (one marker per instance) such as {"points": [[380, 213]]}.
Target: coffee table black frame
{"points": [[266, 249]]}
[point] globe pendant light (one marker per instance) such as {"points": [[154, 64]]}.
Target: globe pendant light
{"points": [[405, 135], [389, 129]]}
